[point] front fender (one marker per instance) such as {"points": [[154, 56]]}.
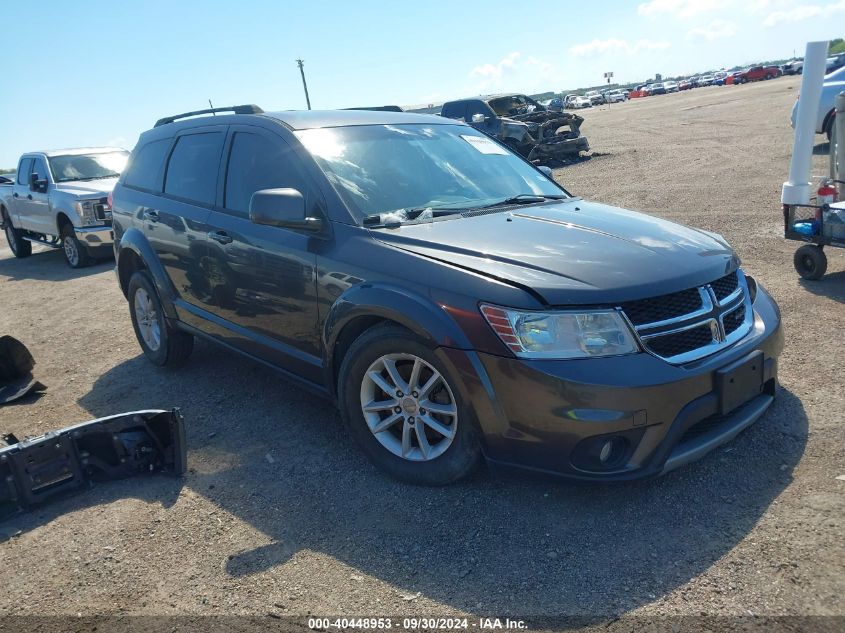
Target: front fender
{"points": [[133, 241], [419, 313], [62, 204]]}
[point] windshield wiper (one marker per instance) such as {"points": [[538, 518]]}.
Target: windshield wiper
{"points": [[91, 178], [523, 198], [393, 219]]}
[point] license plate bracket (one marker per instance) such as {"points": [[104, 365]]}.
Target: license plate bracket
{"points": [[737, 383]]}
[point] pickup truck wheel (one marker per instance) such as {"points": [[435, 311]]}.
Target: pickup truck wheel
{"points": [[401, 405], [19, 246], [76, 255], [162, 343], [810, 262]]}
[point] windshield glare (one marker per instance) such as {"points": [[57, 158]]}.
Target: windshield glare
{"points": [[378, 169], [87, 166]]}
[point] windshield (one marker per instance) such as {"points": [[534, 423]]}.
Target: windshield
{"points": [[87, 166], [378, 169]]}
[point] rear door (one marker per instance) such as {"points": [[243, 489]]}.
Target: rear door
{"points": [[175, 224], [262, 279], [21, 194]]}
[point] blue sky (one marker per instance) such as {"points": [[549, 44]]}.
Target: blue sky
{"points": [[92, 72]]}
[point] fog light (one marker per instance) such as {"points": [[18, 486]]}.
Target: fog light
{"points": [[606, 451]]}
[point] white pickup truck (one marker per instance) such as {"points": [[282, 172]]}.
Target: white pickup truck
{"points": [[60, 199]]}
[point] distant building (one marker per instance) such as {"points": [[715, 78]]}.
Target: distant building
{"points": [[658, 77]]}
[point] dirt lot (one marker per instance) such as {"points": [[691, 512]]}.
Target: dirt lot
{"points": [[280, 514]]}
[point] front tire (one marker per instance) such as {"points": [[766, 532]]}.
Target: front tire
{"points": [[162, 343], [402, 406], [76, 254], [20, 247], [810, 262]]}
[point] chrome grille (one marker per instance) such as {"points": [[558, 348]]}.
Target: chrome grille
{"points": [[724, 287], [683, 326], [663, 307]]}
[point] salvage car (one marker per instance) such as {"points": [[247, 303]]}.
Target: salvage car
{"points": [[541, 135], [60, 199], [485, 311], [595, 97], [577, 102]]}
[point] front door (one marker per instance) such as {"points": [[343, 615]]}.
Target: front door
{"points": [[37, 203], [261, 278]]}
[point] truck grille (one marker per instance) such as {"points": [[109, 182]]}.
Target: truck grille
{"points": [[101, 209], [683, 326]]}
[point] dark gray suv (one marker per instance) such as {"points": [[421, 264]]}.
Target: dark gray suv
{"points": [[452, 299]]}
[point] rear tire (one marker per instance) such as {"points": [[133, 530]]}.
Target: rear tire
{"points": [[163, 344], [427, 436], [20, 247], [810, 262], [76, 254]]}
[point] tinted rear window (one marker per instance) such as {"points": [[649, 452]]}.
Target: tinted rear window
{"points": [[192, 170], [145, 169], [454, 110]]}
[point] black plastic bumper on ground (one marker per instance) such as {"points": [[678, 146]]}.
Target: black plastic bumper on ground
{"points": [[35, 470]]}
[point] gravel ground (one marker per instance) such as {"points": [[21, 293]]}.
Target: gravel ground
{"points": [[281, 515]]}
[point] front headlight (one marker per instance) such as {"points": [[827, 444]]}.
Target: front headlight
{"points": [[563, 334], [85, 209]]}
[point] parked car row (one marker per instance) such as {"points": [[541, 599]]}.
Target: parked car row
{"points": [[446, 293]]}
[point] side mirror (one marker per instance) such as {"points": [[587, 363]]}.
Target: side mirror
{"points": [[546, 170], [478, 118], [36, 185], [281, 207]]}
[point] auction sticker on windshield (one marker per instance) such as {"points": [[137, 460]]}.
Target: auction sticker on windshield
{"points": [[484, 145]]}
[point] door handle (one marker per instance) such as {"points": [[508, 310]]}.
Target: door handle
{"points": [[151, 215], [220, 236], [16, 195]]}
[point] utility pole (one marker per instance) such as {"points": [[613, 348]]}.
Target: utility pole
{"points": [[304, 85]]}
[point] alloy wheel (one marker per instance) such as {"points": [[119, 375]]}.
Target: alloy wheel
{"points": [[146, 316], [71, 251], [409, 407]]}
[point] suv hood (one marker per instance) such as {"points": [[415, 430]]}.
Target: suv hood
{"points": [[87, 188], [574, 252]]}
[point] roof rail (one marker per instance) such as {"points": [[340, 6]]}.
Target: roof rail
{"points": [[240, 109]]}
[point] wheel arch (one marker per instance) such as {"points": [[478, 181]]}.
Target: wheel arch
{"points": [[135, 253], [62, 220], [362, 308], [827, 123]]}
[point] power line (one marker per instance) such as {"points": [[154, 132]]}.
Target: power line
{"points": [[304, 85]]}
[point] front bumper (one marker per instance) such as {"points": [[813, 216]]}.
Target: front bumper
{"points": [[547, 416], [95, 238]]}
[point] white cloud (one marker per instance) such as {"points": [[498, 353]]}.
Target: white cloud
{"points": [[803, 12], [615, 45], [680, 8], [529, 72], [715, 30]]}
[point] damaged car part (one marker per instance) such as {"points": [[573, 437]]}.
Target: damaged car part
{"points": [[36, 470], [542, 136], [16, 364]]}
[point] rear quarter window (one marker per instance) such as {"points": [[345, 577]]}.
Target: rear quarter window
{"points": [[145, 168], [192, 170]]}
